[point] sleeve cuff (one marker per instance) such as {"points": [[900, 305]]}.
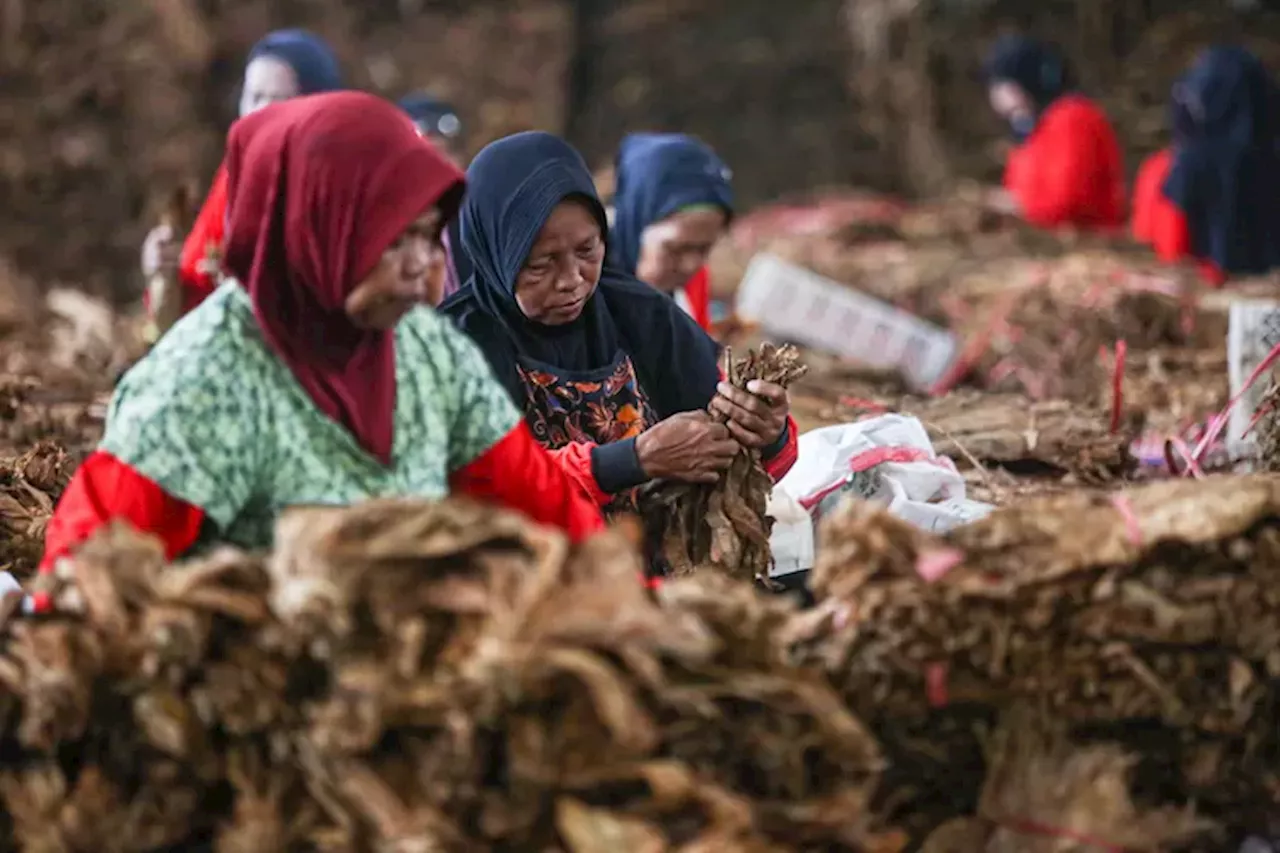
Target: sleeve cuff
{"points": [[780, 444], [616, 466]]}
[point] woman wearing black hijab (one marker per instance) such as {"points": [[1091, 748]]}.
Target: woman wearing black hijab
{"points": [[611, 374]]}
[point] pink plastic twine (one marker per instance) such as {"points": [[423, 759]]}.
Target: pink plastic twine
{"points": [[1219, 421], [1132, 528]]}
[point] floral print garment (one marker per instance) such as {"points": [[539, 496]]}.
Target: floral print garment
{"points": [[216, 420], [596, 407]]}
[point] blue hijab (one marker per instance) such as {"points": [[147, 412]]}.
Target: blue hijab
{"points": [[512, 187], [658, 174], [432, 115], [1225, 176], [309, 56], [1033, 65], [1037, 68]]}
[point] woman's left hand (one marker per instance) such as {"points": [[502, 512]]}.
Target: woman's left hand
{"points": [[755, 417]]}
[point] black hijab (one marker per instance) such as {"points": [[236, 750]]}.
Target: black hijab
{"points": [[1225, 176], [512, 187]]}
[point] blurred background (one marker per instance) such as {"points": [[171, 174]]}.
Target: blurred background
{"points": [[109, 105]]}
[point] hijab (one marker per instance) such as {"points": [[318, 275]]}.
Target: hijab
{"points": [[1225, 176], [513, 185], [432, 115], [658, 174], [309, 56], [1035, 67], [318, 187]]}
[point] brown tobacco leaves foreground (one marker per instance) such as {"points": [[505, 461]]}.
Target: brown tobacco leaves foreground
{"points": [[722, 527], [1149, 619], [404, 676]]}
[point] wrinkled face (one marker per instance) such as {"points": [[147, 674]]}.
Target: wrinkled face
{"points": [[677, 247], [411, 271], [563, 267], [1010, 100], [266, 81]]}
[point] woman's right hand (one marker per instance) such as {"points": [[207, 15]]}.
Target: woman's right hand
{"points": [[689, 447], [160, 252]]}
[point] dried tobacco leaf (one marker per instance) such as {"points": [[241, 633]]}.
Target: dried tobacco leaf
{"points": [[722, 527], [1156, 608]]}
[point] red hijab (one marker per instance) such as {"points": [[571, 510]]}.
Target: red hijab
{"points": [[318, 188]]}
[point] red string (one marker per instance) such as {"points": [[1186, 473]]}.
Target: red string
{"points": [[1117, 386], [935, 685], [1132, 527], [1029, 827], [1220, 420], [1188, 456]]}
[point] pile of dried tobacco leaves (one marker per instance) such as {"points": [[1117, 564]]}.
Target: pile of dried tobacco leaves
{"points": [[408, 676], [1147, 619]]}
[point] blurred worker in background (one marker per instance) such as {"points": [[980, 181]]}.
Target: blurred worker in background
{"points": [[1067, 168], [315, 376], [283, 65], [439, 122], [611, 375], [1214, 196], [672, 201]]}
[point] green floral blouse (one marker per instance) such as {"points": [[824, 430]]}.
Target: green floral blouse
{"points": [[216, 420]]}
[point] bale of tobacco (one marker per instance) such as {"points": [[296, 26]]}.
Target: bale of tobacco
{"points": [[722, 527], [29, 486], [1149, 618], [1045, 794], [411, 676]]}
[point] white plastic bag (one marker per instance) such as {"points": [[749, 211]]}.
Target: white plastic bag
{"points": [[888, 459]]}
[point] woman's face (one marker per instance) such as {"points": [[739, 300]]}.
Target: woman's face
{"points": [[411, 271], [1009, 100], [563, 267], [266, 81], [672, 250]]}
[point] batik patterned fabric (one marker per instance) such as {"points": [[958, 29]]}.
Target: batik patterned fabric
{"points": [[596, 407], [215, 419]]}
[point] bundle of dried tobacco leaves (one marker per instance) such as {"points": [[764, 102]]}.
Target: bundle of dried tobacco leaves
{"points": [[1044, 794], [722, 527], [408, 676], [1150, 618]]}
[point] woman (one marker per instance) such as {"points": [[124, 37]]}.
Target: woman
{"points": [[1215, 197], [1153, 215], [672, 202], [439, 123], [611, 374], [1066, 169], [312, 378], [283, 65]]}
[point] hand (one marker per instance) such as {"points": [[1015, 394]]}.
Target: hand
{"points": [[755, 417], [160, 252], [689, 447]]}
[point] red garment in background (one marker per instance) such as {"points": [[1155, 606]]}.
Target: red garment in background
{"points": [[1159, 223], [209, 227], [1070, 171], [514, 473], [697, 293]]}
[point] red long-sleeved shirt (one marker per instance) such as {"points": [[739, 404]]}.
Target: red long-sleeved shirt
{"points": [[1070, 171], [697, 293], [209, 228], [516, 473], [1159, 223]]}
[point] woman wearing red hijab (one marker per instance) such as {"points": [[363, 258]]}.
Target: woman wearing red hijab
{"points": [[1067, 169], [283, 64], [311, 377]]}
